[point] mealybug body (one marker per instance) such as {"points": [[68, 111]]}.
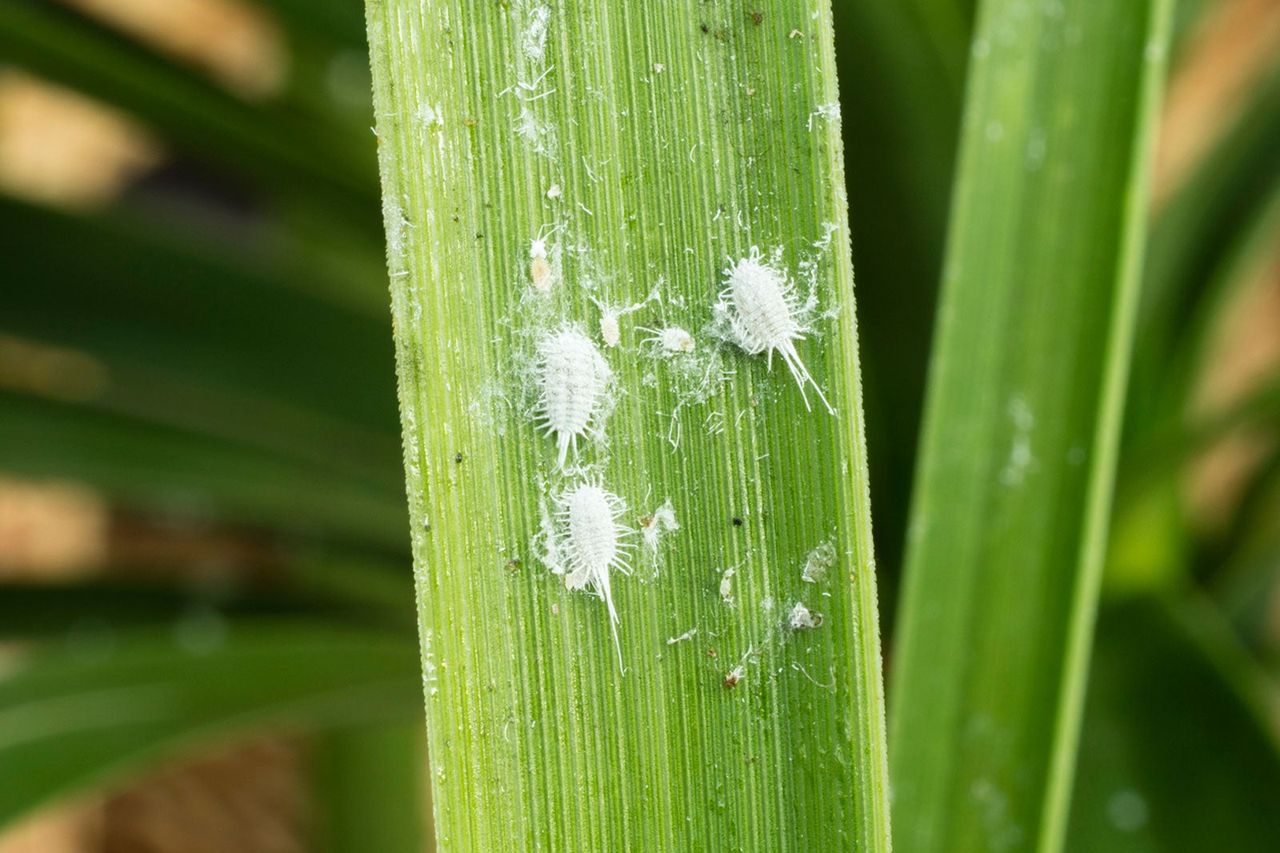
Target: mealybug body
{"points": [[764, 316], [573, 376], [592, 544], [544, 263], [609, 329], [672, 339]]}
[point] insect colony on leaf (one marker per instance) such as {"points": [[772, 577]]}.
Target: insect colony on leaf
{"points": [[759, 308]]}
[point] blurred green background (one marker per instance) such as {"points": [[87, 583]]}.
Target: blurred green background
{"points": [[207, 637]]}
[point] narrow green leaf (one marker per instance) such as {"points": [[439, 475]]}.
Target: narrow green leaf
{"points": [[1178, 752], [371, 789], [331, 163], [902, 75], [178, 336], [108, 702], [1023, 415], [647, 147], [345, 591], [176, 472], [1232, 193]]}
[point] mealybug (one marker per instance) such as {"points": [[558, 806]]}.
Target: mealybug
{"points": [[764, 316], [593, 544], [609, 329], [543, 263], [573, 376], [672, 339]]}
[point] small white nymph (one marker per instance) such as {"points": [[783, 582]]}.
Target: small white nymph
{"points": [[764, 316], [572, 377], [544, 261]]}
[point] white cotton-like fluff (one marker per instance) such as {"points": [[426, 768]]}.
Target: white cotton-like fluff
{"points": [[572, 375], [662, 520], [802, 618], [764, 316], [593, 544]]}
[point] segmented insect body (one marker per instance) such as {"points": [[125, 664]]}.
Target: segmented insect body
{"points": [[573, 376], [609, 329], [593, 544], [764, 316]]}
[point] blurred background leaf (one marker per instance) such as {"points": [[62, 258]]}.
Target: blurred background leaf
{"points": [[1180, 752], [1022, 423]]}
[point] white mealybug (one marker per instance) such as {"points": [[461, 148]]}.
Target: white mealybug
{"points": [[543, 262], [609, 329], [593, 544], [573, 376], [672, 339], [726, 585], [763, 314]]}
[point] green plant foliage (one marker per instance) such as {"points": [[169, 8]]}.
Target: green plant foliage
{"points": [[371, 798], [331, 167], [1022, 424], [647, 148], [1178, 753], [106, 701], [211, 354]]}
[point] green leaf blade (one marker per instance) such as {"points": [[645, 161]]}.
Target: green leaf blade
{"points": [[679, 137], [1023, 415], [110, 701], [1170, 689]]}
